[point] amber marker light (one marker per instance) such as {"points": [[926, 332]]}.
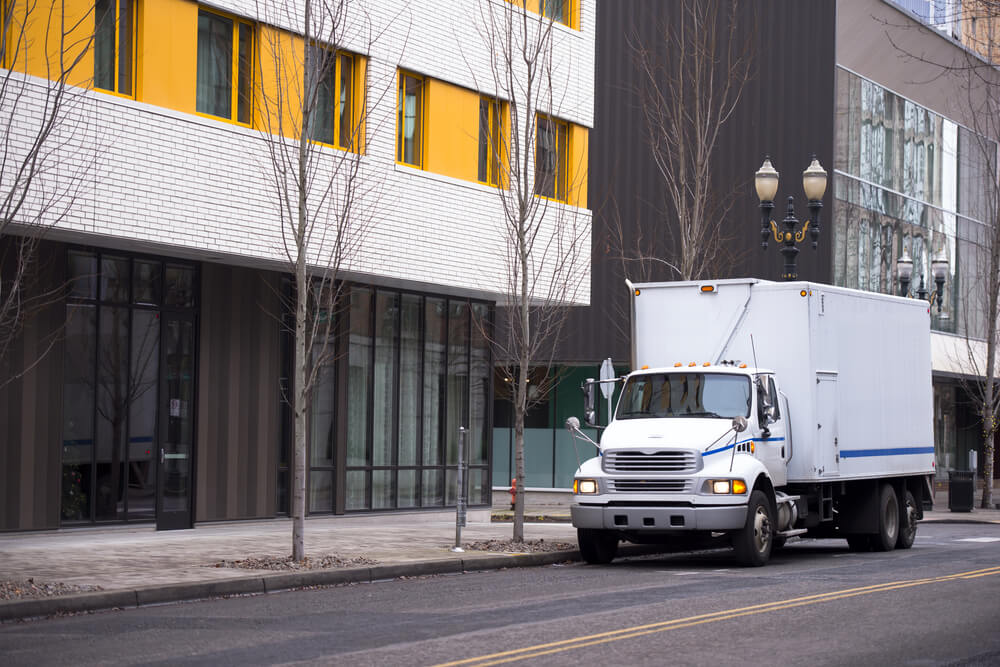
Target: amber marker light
{"points": [[739, 486], [706, 364], [637, 291], [692, 365], [678, 364], [803, 293], [707, 289]]}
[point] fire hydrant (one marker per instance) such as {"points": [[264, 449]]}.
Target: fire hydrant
{"points": [[513, 493]]}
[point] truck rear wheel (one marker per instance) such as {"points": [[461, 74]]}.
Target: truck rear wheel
{"points": [[753, 542], [888, 520], [598, 547], [907, 522]]}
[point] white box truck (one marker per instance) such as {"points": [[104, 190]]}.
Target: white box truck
{"points": [[757, 411]]}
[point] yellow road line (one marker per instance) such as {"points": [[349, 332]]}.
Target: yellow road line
{"points": [[539, 650]]}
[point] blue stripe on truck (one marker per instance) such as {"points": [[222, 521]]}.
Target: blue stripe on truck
{"points": [[891, 451], [728, 447]]}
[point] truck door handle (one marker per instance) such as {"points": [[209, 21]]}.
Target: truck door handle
{"points": [[162, 455]]}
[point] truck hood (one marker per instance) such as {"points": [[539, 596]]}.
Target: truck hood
{"points": [[667, 433]]}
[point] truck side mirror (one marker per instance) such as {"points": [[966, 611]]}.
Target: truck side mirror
{"points": [[589, 402]]}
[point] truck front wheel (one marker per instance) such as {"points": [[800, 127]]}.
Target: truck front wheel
{"points": [[888, 520], [753, 542], [598, 547]]}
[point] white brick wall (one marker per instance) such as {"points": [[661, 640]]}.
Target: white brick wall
{"points": [[176, 183]]}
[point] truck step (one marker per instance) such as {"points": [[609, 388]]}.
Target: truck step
{"points": [[792, 533]]}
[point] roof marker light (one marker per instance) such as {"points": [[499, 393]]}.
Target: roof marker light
{"points": [[678, 365], [743, 365], [645, 367], [692, 365], [637, 292], [706, 364], [803, 293], [707, 289]]}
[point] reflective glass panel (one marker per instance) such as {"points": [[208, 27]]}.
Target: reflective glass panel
{"points": [[359, 377], [435, 338], [383, 428]]}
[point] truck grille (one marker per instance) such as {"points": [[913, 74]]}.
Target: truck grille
{"points": [[637, 461], [649, 486]]}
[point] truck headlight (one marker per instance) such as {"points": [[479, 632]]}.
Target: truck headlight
{"points": [[727, 486], [584, 486]]}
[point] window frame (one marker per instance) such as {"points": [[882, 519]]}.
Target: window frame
{"points": [[568, 11], [420, 121], [235, 73], [116, 69], [335, 73], [560, 181], [491, 141]]}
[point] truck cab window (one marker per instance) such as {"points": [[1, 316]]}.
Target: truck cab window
{"points": [[707, 395]]}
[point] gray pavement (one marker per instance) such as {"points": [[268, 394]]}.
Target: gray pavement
{"points": [[137, 565]]}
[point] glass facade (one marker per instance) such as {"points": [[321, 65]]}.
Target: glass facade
{"points": [[112, 381], [909, 181], [417, 368], [551, 453]]}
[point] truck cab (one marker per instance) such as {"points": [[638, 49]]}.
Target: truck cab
{"points": [[685, 449]]}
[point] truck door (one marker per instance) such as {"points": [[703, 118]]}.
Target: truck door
{"points": [[771, 449], [827, 440]]}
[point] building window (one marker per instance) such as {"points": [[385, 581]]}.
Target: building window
{"points": [[114, 45], [333, 120], [410, 121], [551, 158], [560, 11], [490, 140], [112, 381], [225, 53]]}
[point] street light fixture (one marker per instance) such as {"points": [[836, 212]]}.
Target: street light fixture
{"points": [[939, 270], [814, 185]]}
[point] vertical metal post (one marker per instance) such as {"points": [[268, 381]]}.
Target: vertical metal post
{"points": [[460, 500]]}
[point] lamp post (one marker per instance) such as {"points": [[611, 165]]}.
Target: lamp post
{"points": [[814, 185], [939, 269]]}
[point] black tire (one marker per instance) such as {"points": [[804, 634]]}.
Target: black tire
{"points": [[907, 521], [888, 520], [779, 542], [753, 542], [859, 543], [598, 547]]}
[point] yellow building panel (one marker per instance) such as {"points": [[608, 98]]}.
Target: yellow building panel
{"points": [[278, 82], [65, 29], [167, 54], [452, 125], [361, 102], [578, 166]]}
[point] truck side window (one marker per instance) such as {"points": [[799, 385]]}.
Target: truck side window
{"points": [[773, 391]]}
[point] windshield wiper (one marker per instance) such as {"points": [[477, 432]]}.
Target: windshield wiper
{"points": [[702, 414]]}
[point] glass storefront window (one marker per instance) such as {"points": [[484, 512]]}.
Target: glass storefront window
{"points": [[410, 387], [111, 388]]}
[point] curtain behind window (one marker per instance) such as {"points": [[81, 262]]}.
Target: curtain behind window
{"points": [[215, 65]]}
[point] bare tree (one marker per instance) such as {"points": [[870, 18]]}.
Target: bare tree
{"points": [[691, 76], [547, 249], [326, 196], [974, 75], [42, 85]]}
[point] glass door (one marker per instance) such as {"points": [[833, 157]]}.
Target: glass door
{"points": [[176, 427]]}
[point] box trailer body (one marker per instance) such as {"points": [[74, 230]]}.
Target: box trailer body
{"points": [[838, 419]]}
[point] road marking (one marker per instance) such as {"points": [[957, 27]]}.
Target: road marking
{"points": [[663, 626], [979, 539]]}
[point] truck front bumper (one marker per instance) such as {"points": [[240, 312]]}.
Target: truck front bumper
{"points": [[658, 519]]}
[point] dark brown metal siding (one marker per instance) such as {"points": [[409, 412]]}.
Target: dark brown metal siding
{"points": [[238, 393], [787, 111], [30, 408]]}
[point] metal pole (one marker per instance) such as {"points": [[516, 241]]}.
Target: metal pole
{"points": [[460, 492]]}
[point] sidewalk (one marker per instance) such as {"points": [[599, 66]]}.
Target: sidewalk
{"points": [[137, 565]]}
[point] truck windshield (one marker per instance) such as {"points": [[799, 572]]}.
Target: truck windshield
{"points": [[711, 395]]}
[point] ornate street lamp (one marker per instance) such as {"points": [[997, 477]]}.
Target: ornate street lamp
{"points": [[814, 185], [939, 269]]}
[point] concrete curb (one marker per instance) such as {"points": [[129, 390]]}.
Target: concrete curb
{"points": [[16, 610]]}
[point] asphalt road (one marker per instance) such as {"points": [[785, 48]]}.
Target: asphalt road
{"points": [[816, 603]]}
